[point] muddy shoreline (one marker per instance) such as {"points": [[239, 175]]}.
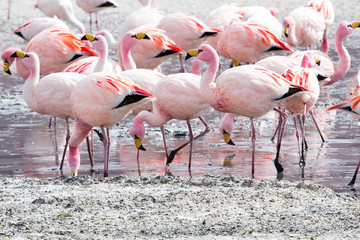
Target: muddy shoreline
{"points": [[215, 207]]}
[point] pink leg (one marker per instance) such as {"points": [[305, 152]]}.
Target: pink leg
{"points": [[9, 7], [90, 22], [173, 152], [164, 139], [316, 125], [253, 139], [106, 148], [50, 122], [352, 182], [89, 151], [281, 127], [66, 142], [138, 161], [182, 67], [92, 143], [97, 21], [191, 141]]}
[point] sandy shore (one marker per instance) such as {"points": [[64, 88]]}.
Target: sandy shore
{"points": [[211, 207]]}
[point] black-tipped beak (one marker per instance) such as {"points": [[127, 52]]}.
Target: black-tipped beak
{"points": [[7, 67], [188, 56], [227, 138], [138, 143]]}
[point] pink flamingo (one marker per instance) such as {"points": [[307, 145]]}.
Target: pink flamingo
{"points": [[187, 31], [247, 42], [301, 103], [95, 64], [56, 49], [37, 25], [326, 9], [248, 90], [304, 27], [150, 54], [94, 6], [63, 9], [335, 72], [101, 100], [51, 94], [352, 106]]}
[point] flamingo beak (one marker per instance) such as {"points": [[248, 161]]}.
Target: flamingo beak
{"points": [[355, 24], [74, 174], [19, 54], [138, 143], [89, 37], [227, 138], [7, 67], [286, 31]]}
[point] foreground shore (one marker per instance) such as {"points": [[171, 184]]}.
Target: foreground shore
{"points": [[211, 207]]}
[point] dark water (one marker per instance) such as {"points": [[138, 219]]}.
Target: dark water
{"points": [[27, 144]]}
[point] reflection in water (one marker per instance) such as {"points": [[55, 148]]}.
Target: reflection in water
{"points": [[27, 145]]}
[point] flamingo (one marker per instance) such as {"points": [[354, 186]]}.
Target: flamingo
{"points": [[94, 6], [248, 90], [101, 100], [37, 25], [63, 9], [150, 54], [351, 105], [248, 42], [303, 27], [177, 96], [95, 64], [187, 31], [56, 49], [49, 95], [301, 103]]}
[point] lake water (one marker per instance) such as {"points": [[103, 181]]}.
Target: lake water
{"points": [[26, 142]]}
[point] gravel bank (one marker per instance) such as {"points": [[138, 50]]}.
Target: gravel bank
{"points": [[215, 207]]}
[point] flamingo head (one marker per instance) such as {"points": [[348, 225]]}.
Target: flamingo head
{"points": [[310, 60], [274, 11], [99, 42], [205, 53], [137, 132], [345, 29], [288, 22], [130, 39], [7, 59], [30, 59], [226, 128]]}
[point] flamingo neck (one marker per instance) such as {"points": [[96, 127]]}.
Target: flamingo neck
{"points": [[126, 45], [29, 88], [196, 67], [226, 123], [292, 40], [154, 119], [103, 56], [344, 60], [207, 85], [81, 131]]}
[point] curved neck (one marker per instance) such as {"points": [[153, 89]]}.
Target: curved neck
{"points": [[31, 82], [344, 60], [196, 67], [103, 55], [126, 44], [207, 84], [154, 119]]}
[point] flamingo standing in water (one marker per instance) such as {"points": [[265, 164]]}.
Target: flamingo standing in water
{"points": [[94, 6], [352, 105], [63, 9], [101, 100], [248, 90], [56, 48], [95, 64], [187, 31], [51, 94], [304, 27], [37, 25], [248, 42]]}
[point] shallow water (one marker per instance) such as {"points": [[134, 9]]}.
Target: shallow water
{"points": [[27, 144]]}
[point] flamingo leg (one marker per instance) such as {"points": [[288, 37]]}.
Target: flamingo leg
{"points": [[9, 7], [92, 144], [173, 152], [66, 142], [253, 139], [138, 161], [97, 21], [89, 151], [50, 122], [106, 149], [281, 127], [90, 22], [164, 139], [316, 125], [352, 182], [182, 67], [302, 145], [191, 141]]}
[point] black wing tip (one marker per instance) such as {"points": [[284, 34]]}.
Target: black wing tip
{"points": [[20, 35], [291, 91], [131, 98], [208, 34], [166, 53]]}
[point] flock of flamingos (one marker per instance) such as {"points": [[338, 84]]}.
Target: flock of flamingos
{"points": [[69, 75]]}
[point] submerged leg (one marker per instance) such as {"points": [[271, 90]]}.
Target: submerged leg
{"points": [[281, 128], [352, 182], [106, 144], [253, 139], [182, 67], [164, 139], [316, 125], [173, 152], [191, 141], [66, 142]]}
